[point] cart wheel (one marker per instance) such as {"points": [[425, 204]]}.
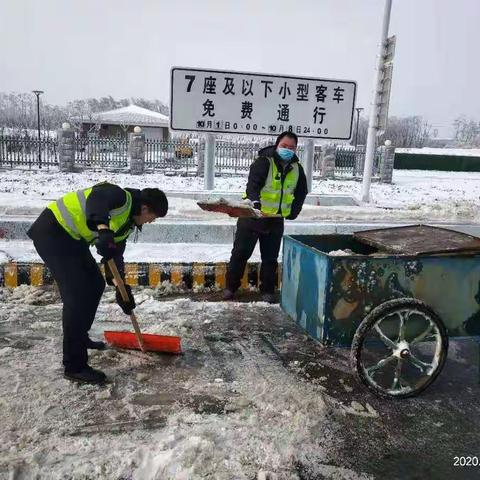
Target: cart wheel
{"points": [[399, 348]]}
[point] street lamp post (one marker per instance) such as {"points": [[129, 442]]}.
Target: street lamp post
{"points": [[356, 130], [375, 107], [38, 93]]}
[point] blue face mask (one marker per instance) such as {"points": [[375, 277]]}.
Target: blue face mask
{"points": [[285, 153]]}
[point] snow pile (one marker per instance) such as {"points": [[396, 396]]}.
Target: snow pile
{"points": [[233, 208], [24, 251], [271, 428], [341, 253]]}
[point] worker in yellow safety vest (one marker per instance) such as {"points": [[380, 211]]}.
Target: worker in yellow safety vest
{"points": [[276, 186], [103, 215]]}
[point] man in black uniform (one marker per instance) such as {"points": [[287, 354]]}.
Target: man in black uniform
{"points": [[104, 215], [276, 186]]}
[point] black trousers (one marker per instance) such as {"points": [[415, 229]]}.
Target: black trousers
{"points": [[269, 231], [79, 280]]}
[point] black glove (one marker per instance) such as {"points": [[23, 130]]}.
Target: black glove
{"points": [[126, 306], [294, 212], [106, 244]]}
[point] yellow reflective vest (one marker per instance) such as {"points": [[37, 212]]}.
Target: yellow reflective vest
{"points": [[70, 212], [276, 195]]}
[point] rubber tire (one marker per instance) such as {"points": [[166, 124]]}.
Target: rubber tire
{"points": [[368, 322]]}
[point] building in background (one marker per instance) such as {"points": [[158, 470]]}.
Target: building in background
{"points": [[121, 121]]}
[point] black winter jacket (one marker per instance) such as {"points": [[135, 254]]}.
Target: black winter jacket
{"points": [[103, 198], [106, 197], [258, 176]]}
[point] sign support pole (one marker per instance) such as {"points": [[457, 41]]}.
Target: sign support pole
{"points": [[209, 168], [377, 95], [308, 162]]}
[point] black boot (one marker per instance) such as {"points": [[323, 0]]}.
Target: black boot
{"points": [[92, 345], [228, 295], [269, 297], [86, 375]]}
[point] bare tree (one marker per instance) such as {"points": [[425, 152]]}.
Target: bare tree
{"points": [[407, 132], [467, 132], [362, 131], [404, 132], [79, 112], [18, 111]]}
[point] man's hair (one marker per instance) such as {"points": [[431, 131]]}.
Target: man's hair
{"points": [[155, 200], [288, 135]]}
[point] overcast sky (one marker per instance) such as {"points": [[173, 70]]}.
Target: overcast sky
{"points": [[90, 48]]}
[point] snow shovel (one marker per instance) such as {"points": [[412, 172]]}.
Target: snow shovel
{"points": [[145, 342]]}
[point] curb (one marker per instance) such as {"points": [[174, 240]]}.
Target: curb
{"points": [[188, 276]]}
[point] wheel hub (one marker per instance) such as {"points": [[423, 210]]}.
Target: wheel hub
{"points": [[402, 350], [405, 353]]}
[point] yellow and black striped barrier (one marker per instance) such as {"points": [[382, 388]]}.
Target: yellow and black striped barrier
{"points": [[188, 276]]}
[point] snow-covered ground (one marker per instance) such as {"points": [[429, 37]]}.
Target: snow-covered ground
{"points": [[250, 398], [24, 251], [413, 195], [225, 409]]}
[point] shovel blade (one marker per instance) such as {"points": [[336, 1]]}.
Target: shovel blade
{"points": [[153, 343]]}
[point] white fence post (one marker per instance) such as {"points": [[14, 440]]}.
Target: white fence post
{"points": [[328, 161], [66, 148], [136, 151], [387, 161]]}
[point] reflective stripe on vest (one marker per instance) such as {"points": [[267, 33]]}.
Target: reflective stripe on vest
{"points": [[70, 212], [273, 195]]}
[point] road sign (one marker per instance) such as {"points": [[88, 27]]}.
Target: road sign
{"points": [[251, 103]]}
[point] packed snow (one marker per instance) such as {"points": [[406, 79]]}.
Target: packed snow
{"points": [[225, 409]]}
